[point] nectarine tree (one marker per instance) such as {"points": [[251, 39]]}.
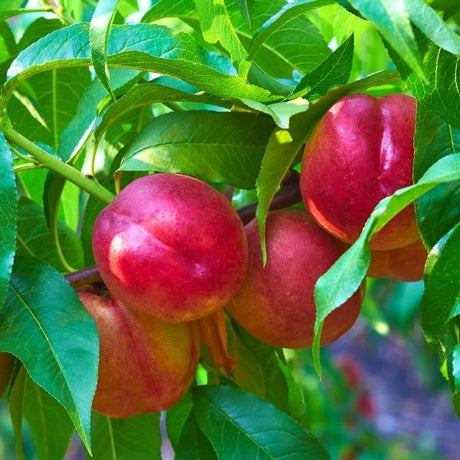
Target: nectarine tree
{"points": [[138, 138]]}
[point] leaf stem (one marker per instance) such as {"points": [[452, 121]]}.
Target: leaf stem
{"points": [[56, 164]]}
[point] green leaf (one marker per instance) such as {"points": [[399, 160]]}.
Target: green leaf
{"points": [[145, 47], [34, 239], [49, 104], [214, 146], [261, 371], [217, 28], [193, 444], [8, 210], [259, 431], [246, 10], [66, 369], [335, 70], [296, 46], [176, 417], [344, 278], [392, 20], [134, 437], [286, 14], [43, 414], [442, 287], [429, 22], [281, 112], [76, 133], [99, 31], [439, 210], [142, 95], [52, 197], [15, 400], [440, 91], [248, 372], [167, 9], [38, 29]]}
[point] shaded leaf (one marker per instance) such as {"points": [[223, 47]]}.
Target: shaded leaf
{"points": [[43, 414], [34, 239], [442, 287], [141, 95], [335, 70], [439, 210], [193, 444], [176, 417], [134, 437]]}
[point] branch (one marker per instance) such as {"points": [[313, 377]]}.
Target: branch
{"points": [[287, 196]]}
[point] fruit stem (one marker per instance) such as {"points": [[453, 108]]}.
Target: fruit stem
{"points": [[56, 164]]}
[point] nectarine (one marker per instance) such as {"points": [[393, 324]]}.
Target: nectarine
{"points": [[171, 246], [144, 365], [360, 152], [275, 303], [404, 264]]}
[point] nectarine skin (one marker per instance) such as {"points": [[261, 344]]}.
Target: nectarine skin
{"points": [[275, 303], [360, 152], [171, 246], [404, 264], [144, 365]]}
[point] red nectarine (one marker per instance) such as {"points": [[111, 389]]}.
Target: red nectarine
{"points": [[276, 303], [144, 365], [171, 246], [361, 152]]}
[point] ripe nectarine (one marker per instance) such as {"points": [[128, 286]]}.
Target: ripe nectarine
{"points": [[171, 246], [144, 366], [405, 264], [275, 303], [360, 152]]}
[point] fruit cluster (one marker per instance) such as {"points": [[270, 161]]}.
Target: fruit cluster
{"points": [[172, 251]]}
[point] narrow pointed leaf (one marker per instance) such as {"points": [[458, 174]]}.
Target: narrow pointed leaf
{"points": [[431, 24], [99, 31], [439, 210], [66, 369], [335, 70], [8, 210], [144, 47], [348, 272], [217, 28], [253, 428], [392, 20]]}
